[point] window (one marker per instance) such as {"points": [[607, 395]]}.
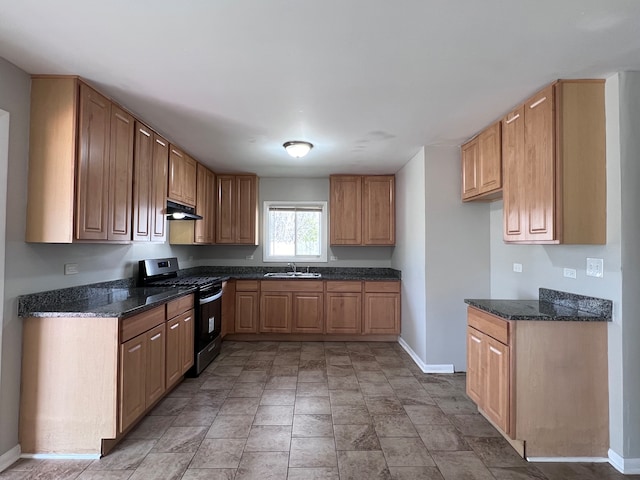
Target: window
{"points": [[295, 231]]}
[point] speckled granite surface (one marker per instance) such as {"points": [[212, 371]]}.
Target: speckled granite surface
{"points": [[328, 273], [121, 298], [110, 299], [552, 305]]}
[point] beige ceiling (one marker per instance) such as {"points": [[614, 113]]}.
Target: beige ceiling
{"points": [[366, 81]]}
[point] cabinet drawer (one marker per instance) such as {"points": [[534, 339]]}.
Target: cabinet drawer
{"points": [[382, 287], [291, 286], [489, 324], [134, 326], [179, 305], [247, 286], [338, 286]]}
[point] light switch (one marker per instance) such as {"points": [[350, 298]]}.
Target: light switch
{"points": [[70, 268], [517, 267], [595, 267], [570, 272]]}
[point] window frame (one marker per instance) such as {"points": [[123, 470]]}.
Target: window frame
{"points": [[321, 205]]}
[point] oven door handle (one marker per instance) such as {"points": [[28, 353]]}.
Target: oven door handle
{"points": [[213, 298]]}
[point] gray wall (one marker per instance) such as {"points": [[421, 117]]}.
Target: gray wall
{"points": [[409, 254], [442, 250], [294, 189]]}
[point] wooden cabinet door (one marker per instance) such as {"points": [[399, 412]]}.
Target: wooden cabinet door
{"points": [[382, 313], [92, 188], [142, 183], [345, 207], [308, 313], [514, 176], [173, 356], [470, 174], [205, 205], [176, 175], [228, 308], [379, 210], [475, 380], [155, 365], [160, 175], [343, 313], [246, 312], [275, 312], [189, 170], [245, 211], [120, 174], [133, 359], [225, 216], [490, 159], [496, 368], [540, 168], [187, 341]]}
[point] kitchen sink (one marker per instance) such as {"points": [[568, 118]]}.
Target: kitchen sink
{"points": [[292, 275]]}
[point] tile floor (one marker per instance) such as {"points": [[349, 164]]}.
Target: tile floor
{"points": [[305, 411]]}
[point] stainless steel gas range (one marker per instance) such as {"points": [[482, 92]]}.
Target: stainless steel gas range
{"points": [[160, 272]]}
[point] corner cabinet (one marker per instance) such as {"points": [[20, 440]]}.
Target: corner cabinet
{"points": [[554, 166], [526, 376], [236, 210], [482, 166], [362, 210]]}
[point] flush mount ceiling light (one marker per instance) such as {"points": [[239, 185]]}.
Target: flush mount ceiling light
{"points": [[297, 149]]}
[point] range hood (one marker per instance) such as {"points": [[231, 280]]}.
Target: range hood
{"points": [[176, 211]]}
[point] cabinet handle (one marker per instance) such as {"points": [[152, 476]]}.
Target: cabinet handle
{"points": [[535, 104], [156, 336], [144, 133], [187, 319], [173, 327], [137, 347], [513, 119], [161, 143], [477, 340], [495, 350]]}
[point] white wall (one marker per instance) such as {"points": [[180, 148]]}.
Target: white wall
{"points": [[294, 189], [409, 254]]}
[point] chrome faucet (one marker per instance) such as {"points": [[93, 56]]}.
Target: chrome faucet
{"points": [[292, 266]]}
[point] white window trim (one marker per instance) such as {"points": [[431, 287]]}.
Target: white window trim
{"points": [[322, 258]]}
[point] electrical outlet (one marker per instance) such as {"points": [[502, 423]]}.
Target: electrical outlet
{"points": [[570, 273], [70, 268], [517, 267], [334, 258], [595, 267], [248, 257]]}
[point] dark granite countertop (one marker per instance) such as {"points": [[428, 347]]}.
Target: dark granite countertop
{"points": [[121, 298], [99, 302], [552, 305]]}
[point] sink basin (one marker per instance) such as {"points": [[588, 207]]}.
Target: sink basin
{"points": [[292, 275]]}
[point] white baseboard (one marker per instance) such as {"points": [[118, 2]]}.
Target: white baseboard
{"points": [[423, 366], [628, 466], [569, 459], [9, 458], [61, 456]]}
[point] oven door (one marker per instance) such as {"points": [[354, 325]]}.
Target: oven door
{"points": [[210, 318]]}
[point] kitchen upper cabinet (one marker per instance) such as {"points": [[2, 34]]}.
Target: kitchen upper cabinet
{"points": [[362, 210], [182, 177], [198, 232], [151, 156], [205, 206], [382, 307], [236, 210], [555, 170], [482, 165]]}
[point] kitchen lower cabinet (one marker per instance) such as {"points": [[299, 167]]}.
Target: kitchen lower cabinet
{"points": [[155, 365], [543, 384], [343, 307], [247, 302], [308, 312], [382, 307], [180, 339], [275, 312], [133, 361]]}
